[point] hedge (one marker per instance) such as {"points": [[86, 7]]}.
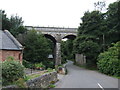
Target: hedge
{"points": [[109, 61]]}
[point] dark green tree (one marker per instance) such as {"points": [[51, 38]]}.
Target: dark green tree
{"points": [[14, 24], [67, 50], [113, 23], [97, 31], [5, 20], [36, 47], [89, 40]]}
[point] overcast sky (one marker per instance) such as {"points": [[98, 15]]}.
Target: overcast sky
{"points": [[57, 13]]}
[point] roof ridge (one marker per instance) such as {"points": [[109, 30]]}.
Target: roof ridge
{"points": [[13, 39]]}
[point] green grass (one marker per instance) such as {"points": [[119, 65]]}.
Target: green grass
{"points": [[118, 77], [32, 76], [51, 86]]}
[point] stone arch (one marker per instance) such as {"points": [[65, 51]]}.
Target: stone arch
{"points": [[70, 36], [52, 38]]}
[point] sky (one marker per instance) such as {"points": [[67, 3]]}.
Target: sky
{"points": [[52, 13]]}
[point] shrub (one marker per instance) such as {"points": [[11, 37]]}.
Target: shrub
{"points": [[21, 83], [27, 64], [39, 66], [49, 69], [48, 63], [109, 62], [12, 70]]}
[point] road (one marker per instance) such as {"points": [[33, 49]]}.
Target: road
{"points": [[82, 78]]}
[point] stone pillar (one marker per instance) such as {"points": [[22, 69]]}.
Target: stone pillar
{"points": [[58, 50], [58, 53]]}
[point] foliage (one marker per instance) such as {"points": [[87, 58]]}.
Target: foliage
{"points": [[20, 83], [67, 50], [49, 69], [89, 36], [14, 24], [37, 49], [5, 20], [109, 61], [49, 63], [91, 23], [85, 45], [39, 65], [51, 86], [27, 64], [12, 70], [32, 76], [113, 23], [97, 31]]}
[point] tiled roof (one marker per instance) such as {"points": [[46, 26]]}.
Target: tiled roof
{"points": [[8, 42]]}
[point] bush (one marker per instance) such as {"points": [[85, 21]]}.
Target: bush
{"points": [[27, 64], [39, 66], [12, 70], [108, 62], [49, 63]]}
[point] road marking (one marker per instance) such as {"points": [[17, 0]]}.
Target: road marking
{"points": [[100, 86]]}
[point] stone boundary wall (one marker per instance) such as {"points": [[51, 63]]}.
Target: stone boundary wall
{"points": [[80, 59], [40, 82]]}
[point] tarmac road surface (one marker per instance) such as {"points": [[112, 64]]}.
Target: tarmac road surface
{"points": [[82, 78]]}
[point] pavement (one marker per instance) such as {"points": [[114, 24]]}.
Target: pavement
{"points": [[82, 78]]}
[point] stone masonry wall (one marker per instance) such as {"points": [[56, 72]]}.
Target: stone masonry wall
{"points": [[42, 81], [80, 59]]}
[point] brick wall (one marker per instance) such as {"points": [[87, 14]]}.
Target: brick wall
{"points": [[0, 55], [6, 53]]}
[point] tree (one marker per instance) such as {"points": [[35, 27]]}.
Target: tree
{"points": [[5, 20], [113, 23], [36, 47], [67, 50], [87, 46], [97, 31], [14, 24], [91, 23], [88, 41]]}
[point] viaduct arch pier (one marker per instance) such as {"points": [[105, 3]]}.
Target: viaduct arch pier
{"points": [[56, 34]]}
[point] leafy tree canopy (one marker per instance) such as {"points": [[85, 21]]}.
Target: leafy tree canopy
{"points": [[14, 24], [36, 47]]}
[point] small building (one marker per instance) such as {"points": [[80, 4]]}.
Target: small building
{"points": [[9, 46], [50, 56]]}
